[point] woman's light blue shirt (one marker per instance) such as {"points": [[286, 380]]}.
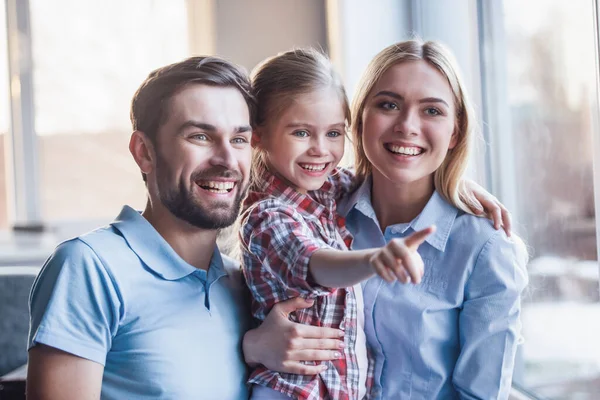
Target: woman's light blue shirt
{"points": [[455, 334]]}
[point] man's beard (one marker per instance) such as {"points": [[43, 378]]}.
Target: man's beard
{"points": [[181, 203]]}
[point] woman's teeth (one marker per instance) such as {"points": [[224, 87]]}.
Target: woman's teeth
{"points": [[409, 151], [217, 187], [313, 167]]}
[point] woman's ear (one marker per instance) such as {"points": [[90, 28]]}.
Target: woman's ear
{"points": [[453, 141], [142, 150]]}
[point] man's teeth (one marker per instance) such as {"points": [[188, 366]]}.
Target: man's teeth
{"points": [[217, 187], [409, 151], [313, 167]]}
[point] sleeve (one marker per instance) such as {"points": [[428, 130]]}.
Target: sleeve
{"points": [[343, 182], [489, 323], [280, 243], [74, 304]]}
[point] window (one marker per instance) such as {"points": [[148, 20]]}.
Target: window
{"points": [[88, 62], [551, 90], [4, 116]]}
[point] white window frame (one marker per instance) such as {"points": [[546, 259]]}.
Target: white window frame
{"points": [[21, 158]]}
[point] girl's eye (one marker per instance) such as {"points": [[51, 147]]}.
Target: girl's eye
{"points": [[301, 133], [432, 111], [333, 134], [388, 105]]}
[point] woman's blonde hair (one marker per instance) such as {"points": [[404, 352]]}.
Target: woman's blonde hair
{"points": [[448, 176], [279, 79]]}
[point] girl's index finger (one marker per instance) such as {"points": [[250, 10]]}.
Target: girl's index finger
{"points": [[413, 241]]}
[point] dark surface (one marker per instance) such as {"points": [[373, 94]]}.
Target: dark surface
{"points": [[12, 390], [14, 320]]}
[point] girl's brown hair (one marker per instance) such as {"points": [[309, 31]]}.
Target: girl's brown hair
{"points": [[278, 80]]}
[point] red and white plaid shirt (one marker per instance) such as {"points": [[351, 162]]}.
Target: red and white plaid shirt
{"points": [[281, 229]]}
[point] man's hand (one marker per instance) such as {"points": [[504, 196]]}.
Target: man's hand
{"points": [[281, 345]]}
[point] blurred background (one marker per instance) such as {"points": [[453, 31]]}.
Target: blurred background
{"points": [[68, 70]]}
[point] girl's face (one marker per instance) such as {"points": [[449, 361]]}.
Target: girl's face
{"points": [[408, 123], [306, 141]]}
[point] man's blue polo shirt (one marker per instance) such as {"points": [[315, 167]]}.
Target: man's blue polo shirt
{"points": [[120, 296]]}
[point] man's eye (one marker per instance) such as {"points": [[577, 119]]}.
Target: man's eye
{"points": [[199, 136], [239, 140]]}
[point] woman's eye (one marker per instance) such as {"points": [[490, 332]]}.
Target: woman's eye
{"points": [[388, 105], [432, 111], [333, 134], [301, 133]]}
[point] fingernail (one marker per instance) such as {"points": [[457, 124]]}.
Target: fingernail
{"points": [[323, 367], [337, 354], [341, 345], [341, 333]]}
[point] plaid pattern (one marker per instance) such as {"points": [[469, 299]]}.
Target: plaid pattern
{"points": [[281, 229]]}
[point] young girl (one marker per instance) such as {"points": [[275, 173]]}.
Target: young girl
{"points": [[293, 241]]}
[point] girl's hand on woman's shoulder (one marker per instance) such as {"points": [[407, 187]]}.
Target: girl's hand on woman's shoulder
{"points": [[483, 203]]}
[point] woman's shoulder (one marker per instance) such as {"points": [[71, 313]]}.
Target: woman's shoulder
{"points": [[479, 234]]}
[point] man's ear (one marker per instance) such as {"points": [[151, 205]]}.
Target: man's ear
{"points": [[142, 150]]}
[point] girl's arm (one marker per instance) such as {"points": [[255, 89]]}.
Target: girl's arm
{"points": [[489, 321], [396, 260]]}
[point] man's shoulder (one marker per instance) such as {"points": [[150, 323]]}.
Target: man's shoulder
{"points": [[102, 246]]}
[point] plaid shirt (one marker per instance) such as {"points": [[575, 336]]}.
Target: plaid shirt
{"points": [[281, 229]]}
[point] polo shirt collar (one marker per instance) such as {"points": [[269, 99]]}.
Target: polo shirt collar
{"points": [[156, 253]]}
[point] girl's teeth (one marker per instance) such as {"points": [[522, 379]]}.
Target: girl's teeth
{"points": [[312, 167], [409, 151]]}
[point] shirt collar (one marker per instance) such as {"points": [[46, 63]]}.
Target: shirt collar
{"points": [[315, 202], [440, 213], [437, 212], [156, 253], [360, 200]]}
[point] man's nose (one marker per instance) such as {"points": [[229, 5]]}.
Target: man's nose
{"points": [[224, 156]]}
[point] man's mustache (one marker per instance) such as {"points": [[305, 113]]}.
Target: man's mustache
{"points": [[216, 172]]}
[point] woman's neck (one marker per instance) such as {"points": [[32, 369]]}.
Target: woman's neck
{"points": [[399, 203]]}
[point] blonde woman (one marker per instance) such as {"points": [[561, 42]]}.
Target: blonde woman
{"points": [[455, 334]]}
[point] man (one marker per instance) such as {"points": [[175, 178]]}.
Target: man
{"points": [[147, 307]]}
